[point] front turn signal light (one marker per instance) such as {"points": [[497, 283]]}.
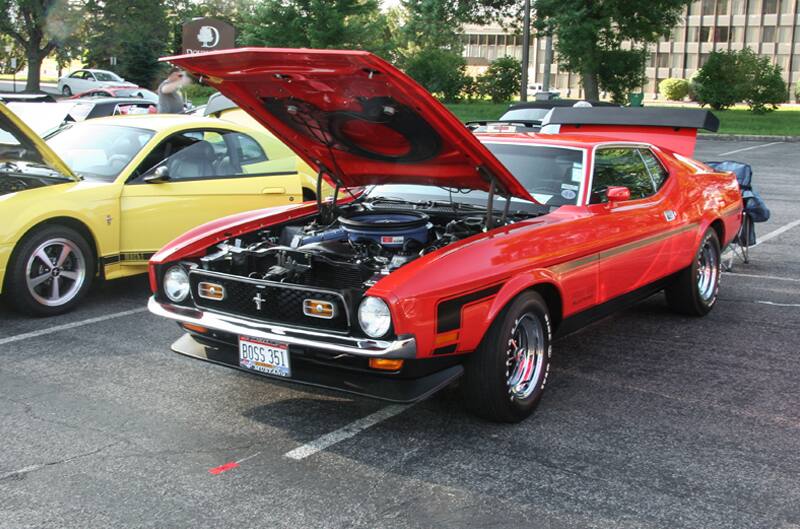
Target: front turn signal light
{"points": [[212, 291], [386, 364], [317, 308]]}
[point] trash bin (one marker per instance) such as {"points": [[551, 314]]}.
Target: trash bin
{"points": [[635, 100]]}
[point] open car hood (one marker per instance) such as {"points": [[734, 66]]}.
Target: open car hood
{"points": [[353, 116], [13, 125]]}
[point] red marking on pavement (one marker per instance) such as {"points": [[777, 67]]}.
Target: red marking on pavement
{"points": [[223, 468]]}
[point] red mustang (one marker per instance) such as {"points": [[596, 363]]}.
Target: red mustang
{"points": [[447, 253]]}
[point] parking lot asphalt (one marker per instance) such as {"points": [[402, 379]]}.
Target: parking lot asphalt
{"points": [[651, 420]]}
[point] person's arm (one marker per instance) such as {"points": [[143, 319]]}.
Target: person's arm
{"points": [[172, 85]]}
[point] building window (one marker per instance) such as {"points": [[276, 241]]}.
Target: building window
{"points": [[703, 59], [692, 34], [785, 35], [691, 61], [738, 34], [752, 35], [738, 7], [705, 34], [796, 63], [754, 7], [722, 7], [768, 34], [663, 60], [707, 7], [721, 34], [677, 60], [770, 7]]}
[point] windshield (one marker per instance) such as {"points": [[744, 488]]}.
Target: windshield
{"points": [[525, 114], [98, 152], [552, 175], [107, 76]]}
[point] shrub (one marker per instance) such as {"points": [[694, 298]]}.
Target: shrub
{"points": [[718, 83], [763, 87], [441, 72], [501, 80], [674, 89], [730, 77]]}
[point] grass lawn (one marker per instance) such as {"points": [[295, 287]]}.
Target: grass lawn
{"points": [[783, 122]]}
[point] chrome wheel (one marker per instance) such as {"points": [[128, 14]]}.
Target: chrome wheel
{"points": [[525, 356], [707, 271], [55, 272]]}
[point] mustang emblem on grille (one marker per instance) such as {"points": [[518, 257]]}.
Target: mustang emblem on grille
{"points": [[259, 300]]}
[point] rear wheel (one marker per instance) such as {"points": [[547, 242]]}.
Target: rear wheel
{"points": [[66, 91], [50, 272], [505, 377], [695, 290]]}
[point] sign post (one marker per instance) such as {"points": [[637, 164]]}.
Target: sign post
{"points": [[14, 71]]}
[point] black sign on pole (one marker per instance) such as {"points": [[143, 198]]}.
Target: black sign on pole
{"points": [[202, 35]]}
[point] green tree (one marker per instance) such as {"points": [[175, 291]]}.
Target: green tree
{"points": [[135, 32], [38, 27], [348, 24], [590, 33], [440, 71], [621, 72], [501, 80], [718, 82]]}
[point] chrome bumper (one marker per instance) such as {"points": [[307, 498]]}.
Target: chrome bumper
{"points": [[403, 347]]}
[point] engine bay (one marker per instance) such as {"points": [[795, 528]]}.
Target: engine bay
{"points": [[351, 249]]}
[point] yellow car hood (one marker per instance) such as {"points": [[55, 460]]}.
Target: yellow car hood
{"points": [[9, 121]]}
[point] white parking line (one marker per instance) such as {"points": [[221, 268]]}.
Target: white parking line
{"points": [[774, 233], [757, 276], [750, 148], [778, 304], [346, 432], [34, 334]]}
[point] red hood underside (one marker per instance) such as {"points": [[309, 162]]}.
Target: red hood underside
{"points": [[354, 116]]}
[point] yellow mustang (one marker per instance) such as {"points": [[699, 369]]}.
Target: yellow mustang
{"points": [[101, 196]]}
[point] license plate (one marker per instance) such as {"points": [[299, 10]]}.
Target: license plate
{"points": [[264, 356]]}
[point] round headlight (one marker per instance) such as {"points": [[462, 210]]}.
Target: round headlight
{"points": [[374, 317], [176, 284]]}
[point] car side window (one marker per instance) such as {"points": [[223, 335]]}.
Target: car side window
{"points": [[657, 171], [203, 154], [78, 75], [620, 166]]}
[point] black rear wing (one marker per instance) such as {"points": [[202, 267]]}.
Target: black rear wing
{"points": [[671, 128]]}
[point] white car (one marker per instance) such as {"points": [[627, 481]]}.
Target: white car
{"points": [[82, 80]]}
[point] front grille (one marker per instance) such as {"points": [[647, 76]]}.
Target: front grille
{"points": [[279, 303]]}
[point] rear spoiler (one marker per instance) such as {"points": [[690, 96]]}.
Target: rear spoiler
{"points": [[671, 128]]}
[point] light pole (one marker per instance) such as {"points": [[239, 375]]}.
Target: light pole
{"points": [[526, 48]]}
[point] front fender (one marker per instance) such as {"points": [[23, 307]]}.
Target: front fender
{"points": [[474, 331]]}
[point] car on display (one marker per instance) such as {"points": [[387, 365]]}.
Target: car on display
{"points": [[119, 91], [444, 254], [87, 79], [99, 197]]}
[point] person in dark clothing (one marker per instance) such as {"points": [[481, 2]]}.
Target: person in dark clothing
{"points": [[170, 99]]}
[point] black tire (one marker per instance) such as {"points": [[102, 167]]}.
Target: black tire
{"points": [[66, 91], [486, 387], [690, 295], [74, 275]]}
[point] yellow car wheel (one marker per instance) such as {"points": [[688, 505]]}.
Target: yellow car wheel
{"points": [[50, 271]]}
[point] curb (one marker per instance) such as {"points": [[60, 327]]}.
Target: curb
{"points": [[748, 137]]}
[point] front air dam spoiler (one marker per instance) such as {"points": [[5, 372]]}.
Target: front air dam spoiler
{"points": [[359, 383]]}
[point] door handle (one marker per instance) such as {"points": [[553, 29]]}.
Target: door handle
{"points": [[670, 215], [273, 191]]}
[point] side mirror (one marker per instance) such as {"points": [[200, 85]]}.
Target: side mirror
{"points": [[618, 193], [160, 175]]}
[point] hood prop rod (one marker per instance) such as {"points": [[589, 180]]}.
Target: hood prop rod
{"points": [[490, 205]]}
